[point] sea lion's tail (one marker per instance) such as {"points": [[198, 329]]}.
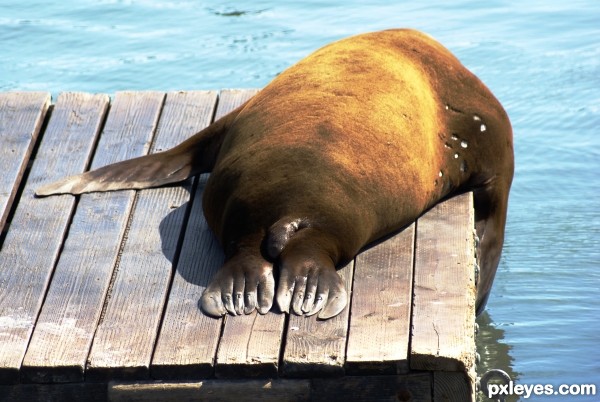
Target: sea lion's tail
{"points": [[196, 155]]}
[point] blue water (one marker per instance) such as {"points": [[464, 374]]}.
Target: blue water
{"points": [[541, 59]]}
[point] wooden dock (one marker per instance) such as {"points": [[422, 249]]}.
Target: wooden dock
{"points": [[99, 293]]}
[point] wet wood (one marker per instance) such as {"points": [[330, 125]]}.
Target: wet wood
{"points": [[63, 334], [381, 306], [443, 334], [124, 341], [35, 236]]}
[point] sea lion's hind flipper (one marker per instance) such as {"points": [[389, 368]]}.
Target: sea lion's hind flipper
{"points": [[143, 172], [195, 155]]}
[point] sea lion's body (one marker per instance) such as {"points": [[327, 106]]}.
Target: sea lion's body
{"points": [[349, 145]]}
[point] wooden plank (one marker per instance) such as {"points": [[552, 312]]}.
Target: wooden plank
{"points": [[316, 347], [411, 387], [229, 99], [213, 390], [40, 224], [250, 344], [124, 341], [381, 303], [443, 325], [63, 334], [452, 387], [83, 392], [21, 118], [188, 339]]}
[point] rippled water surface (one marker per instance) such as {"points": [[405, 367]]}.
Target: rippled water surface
{"points": [[541, 59]]}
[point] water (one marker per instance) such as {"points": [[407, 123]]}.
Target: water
{"points": [[540, 58]]}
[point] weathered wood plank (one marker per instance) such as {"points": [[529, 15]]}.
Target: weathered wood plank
{"points": [[35, 236], [63, 334], [452, 387], [250, 345], [188, 339], [21, 118], [212, 390], [381, 303], [409, 387], [124, 341], [136, 290], [316, 347], [75, 392], [443, 336]]}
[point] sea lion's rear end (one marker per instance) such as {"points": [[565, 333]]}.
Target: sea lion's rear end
{"points": [[347, 146]]}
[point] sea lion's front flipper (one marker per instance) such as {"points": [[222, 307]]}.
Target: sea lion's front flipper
{"points": [[193, 156]]}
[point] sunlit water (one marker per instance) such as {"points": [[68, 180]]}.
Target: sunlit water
{"points": [[541, 59]]}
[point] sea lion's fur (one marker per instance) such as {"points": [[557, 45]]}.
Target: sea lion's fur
{"points": [[352, 143]]}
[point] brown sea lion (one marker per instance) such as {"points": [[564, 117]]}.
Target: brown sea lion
{"points": [[349, 145]]}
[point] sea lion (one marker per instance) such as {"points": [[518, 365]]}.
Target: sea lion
{"points": [[350, 144]]}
